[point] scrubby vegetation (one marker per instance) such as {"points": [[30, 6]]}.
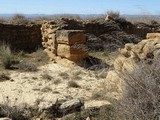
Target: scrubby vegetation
{"points": [[22, 19], [113, 14], [141, 93], [27, 66], [6, 55], [20, 112], [18, 19]]}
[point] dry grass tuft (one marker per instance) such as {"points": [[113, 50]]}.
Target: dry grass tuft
{"points": [[18, 19], [47, 76], [4, 76], [57, 81], [46, 89], [64, 75], [27, 66], [6, 56], [73, 84], [141, 92], [21, 112], [113, 14]]}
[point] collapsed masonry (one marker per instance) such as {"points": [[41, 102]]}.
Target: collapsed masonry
{"points": [[60, 43]]}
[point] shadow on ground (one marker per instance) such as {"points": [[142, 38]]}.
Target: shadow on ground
{"points": [[93, 63]]}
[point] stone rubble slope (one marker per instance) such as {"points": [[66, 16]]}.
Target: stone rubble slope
{"points": [[129, 58]]}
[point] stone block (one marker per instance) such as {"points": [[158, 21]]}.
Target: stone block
{"points": [[70, 106], [71, 52], [70, 37]]}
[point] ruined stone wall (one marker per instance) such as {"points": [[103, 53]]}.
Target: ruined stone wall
{"points": [[61, 40], [21, 37]]}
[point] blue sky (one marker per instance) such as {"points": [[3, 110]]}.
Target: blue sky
{"points": [[150, 7]]}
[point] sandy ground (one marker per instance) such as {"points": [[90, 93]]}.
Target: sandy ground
{"points": [[33, 89]]}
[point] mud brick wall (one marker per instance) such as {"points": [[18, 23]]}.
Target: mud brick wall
{"points": [[21, 37], [60, 41]]}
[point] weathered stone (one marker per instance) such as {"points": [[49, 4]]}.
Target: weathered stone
{"points": [[71, 52], [51, 36], [50, 54], [5, 118], [70, 106], [114, 83], [70, 37], [44, 44], [131, 55], [153, 36], [88, 118]]}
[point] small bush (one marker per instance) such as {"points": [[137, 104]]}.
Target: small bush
{"points": [[21, 112], [4, 76], [73, 84], [27, 66], [57, 81], [6, 56], [113, 14], [21, 54], [18, 19], [64, 75], [7, 61], [141, 92], [46, 76], [96, 96], [41, 57], [46, 89]]}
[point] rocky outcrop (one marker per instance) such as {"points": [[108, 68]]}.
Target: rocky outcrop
{"points": [[21, 37], [131, 55]]}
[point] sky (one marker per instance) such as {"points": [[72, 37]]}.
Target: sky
{"points": [[129, 7]]}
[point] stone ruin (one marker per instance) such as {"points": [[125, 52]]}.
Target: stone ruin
{"points": [[60, 37], [130, 56], [60, 43]]}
